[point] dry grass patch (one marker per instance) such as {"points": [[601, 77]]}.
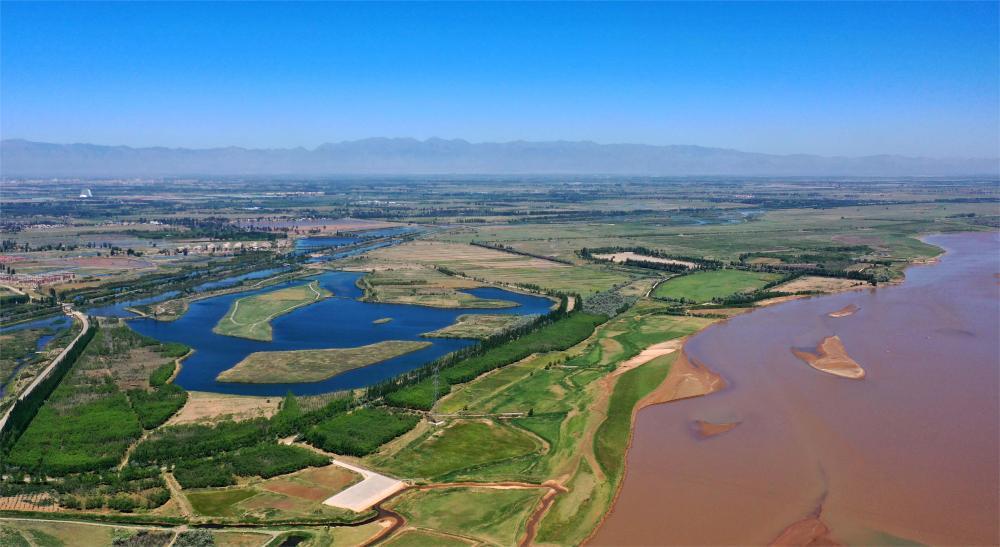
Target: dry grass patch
{"points": [[202, 407], [480, 326], [313, 365], [815, 283]]}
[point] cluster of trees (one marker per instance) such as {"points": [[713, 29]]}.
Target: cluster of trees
{"points": [[610, 302], [509, 249], [26, 409], [13, 300], [88, 423], [360, 432], [217, 228], [699, 262], [662, 266], [80, 437], [11, 245], [156, 406]]}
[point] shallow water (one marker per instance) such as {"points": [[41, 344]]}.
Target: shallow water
{"points": [[339, 322], [911, 452]]}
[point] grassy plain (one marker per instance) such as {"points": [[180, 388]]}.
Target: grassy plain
{"points": [[422, 538], [250, 317], [462, 444], [424, 287], [488, 515], [498, 267], [481, 325], [555, 416], [313, 365], [704, 286]]}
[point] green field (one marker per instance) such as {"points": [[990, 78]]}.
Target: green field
{"points": [[558, 335], [250, 317], [218, 502], [421, 538], [704, 286], [461, 445], [479, 325], [492, 516], [313, 365]]}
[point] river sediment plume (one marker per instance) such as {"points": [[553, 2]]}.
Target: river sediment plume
{"points": [[847, 310], [831, 357]]}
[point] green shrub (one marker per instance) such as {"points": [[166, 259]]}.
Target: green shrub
{"points": [[556, 336], [204, 473], [157, 406], [269, 460], [361, 432], [162, 374]]}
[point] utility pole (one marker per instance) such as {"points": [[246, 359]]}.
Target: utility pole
{"points": [[437, 369]]}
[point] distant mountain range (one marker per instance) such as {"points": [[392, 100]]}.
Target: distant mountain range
{"points": [[439, 156]]}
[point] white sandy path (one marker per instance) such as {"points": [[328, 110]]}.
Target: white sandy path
{"points": [[648, 354], [372, 489]]}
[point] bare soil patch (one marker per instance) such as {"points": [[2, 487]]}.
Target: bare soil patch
{"points": [[815, 283], [202, 407]]}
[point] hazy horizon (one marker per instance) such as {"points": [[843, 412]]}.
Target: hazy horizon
{"points": [[407, 156], [435, 138]]}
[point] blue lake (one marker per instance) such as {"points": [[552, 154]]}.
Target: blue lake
{"points": [[56, 322], [339, 322]]}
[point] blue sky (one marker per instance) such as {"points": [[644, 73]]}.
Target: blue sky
{"points": [[843, 78]]}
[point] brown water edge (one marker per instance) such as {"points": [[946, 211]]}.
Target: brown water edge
{"points": [[910, 452]]}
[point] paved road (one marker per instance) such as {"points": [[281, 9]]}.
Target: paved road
{"points": [[48, 370]]}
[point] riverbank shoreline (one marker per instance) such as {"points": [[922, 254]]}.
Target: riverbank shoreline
{"points": [[675, 372]]}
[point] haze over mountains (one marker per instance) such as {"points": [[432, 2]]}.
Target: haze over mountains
{"points": [[439, 156]]}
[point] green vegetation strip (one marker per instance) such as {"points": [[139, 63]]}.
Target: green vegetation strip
{"points": [[612, 436], [558, 335], [250, 317], [313, 365]]}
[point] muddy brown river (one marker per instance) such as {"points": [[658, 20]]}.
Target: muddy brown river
{"points": [[910, 453]]}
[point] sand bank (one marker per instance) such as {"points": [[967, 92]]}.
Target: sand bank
{"points": [[705, 429], [808, 531], [686, 379], [849, 309], [831, 357]]}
